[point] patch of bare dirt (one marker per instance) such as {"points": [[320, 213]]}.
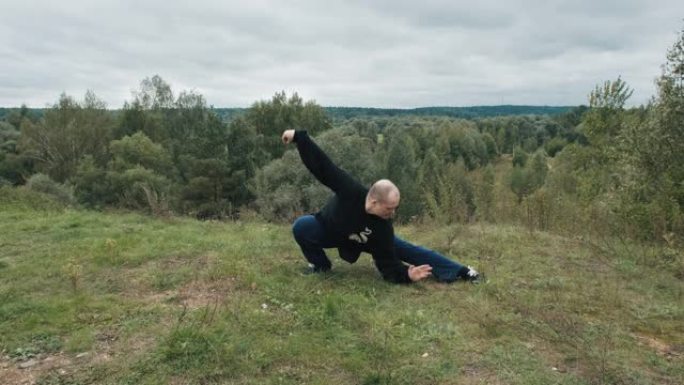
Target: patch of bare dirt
{"points": [[194, 295], [139, 287], [198, 294], [27, 372], [199, 262], [476, 374], [660, 347]]}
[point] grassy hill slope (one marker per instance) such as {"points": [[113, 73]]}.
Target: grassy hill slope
{"points": [[117, 298]]}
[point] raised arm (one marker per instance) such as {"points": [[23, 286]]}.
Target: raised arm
{"points": [[318, 163]]}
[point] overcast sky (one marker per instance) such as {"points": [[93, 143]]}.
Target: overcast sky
{"points": [[382, 53]]}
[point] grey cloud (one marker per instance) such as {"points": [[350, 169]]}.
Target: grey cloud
{"points": [[368, 53]]}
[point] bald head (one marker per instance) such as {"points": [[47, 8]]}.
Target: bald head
{"points": [[384, 191], [382, 199]]}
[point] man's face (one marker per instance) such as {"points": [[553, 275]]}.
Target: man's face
{"points": [[386, 210]]}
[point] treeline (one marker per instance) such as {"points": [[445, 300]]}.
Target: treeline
{"points": [[167, 153], [161, 152], [14, 115], [345, 113], [602, 169], [341, 113]]}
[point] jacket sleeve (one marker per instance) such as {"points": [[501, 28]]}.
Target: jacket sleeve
{"points": [[322, 167], [391, 268]]}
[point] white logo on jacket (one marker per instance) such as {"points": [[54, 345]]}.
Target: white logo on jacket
{"points": [[361, 237]]}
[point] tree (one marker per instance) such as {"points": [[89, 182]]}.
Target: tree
{"points": [[211, 161], [92, 188], [431, 168], [148, 111], [16, 116], [652, 154], [555, 145], [244, 156], [271, 118], [451, 198], [138, 173], [664, 158], [68, 131], [519, 157], [524, 180], [539, 169], [521, 182], [484, 193], [155, 94], [15, 168], [401, 169], [139, 150], [201, 149], [205, 194], [603, 121], [490, 145]]}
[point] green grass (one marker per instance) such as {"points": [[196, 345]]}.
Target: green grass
{"points": [[159, 301]]}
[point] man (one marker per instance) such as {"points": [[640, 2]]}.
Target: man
{"points": [[357, 219]]}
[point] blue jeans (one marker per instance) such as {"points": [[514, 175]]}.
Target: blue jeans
{"points": [[312, 239]]}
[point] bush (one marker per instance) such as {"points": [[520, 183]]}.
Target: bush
{"points": [[451, 198], [4, 182], [21, 198], [141, 188], [91, 186], [43, 184], [554, 146], [519, 157]]}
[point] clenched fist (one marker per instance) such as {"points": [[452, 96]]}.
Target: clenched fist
{"points": [[288, 136]]}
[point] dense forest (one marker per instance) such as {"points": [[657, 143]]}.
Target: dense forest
{"points": [[602, 168], [343, 113]]}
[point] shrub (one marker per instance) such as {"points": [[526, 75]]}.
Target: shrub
{"points": [[43, 184]]}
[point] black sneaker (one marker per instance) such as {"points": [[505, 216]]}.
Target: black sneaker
{"points": [[313, 269], [472, 276]]}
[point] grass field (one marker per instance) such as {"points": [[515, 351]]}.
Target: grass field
{"points": [[116, 298]]}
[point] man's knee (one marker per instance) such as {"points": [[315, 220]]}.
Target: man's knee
{"points": [[299, 227]]}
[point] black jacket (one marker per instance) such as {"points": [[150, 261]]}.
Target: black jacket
{"points": [[345, 216]]}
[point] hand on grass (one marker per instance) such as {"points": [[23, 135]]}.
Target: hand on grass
{"points": [[416, 273]]}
